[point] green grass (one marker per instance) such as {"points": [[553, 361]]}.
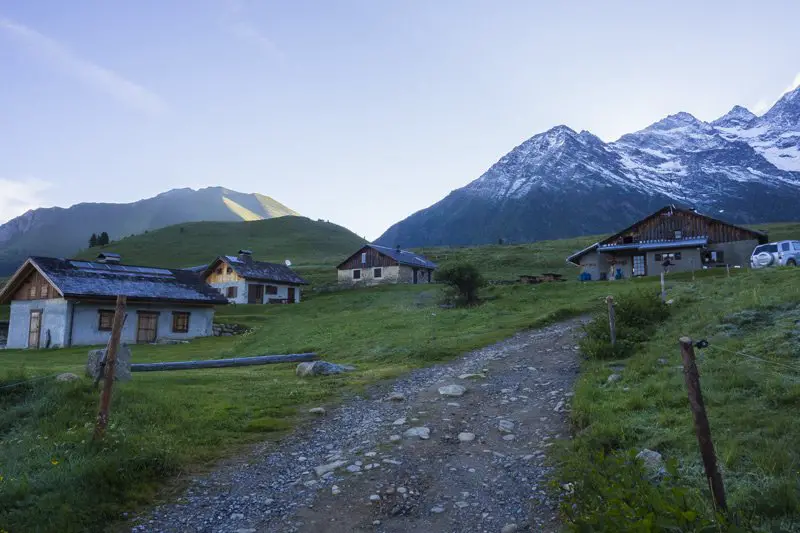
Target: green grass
{"points": [[314, 247], [166, 423], [751, 403]]}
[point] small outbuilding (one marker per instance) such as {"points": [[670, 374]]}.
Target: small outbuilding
{"points": [[374, 264], [243, 280], [673, 238], [67, 302]]}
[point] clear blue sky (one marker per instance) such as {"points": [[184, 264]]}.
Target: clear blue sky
{"points": [[359, 112]]}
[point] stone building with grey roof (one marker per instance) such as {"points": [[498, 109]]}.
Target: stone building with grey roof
{"points": [[67, 302], [373, 264]]}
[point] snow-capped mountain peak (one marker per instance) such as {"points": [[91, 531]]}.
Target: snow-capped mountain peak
{"points": [[737, 117]]}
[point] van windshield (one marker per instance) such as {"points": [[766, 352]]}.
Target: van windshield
{"points": [[769, 248]]}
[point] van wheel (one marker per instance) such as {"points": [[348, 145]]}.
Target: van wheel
{"points": [[791, 263]]}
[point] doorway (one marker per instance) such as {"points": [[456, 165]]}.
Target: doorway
{"points": [[639, 265], [255, 294], [147, 328], [415, 276], [291, 295], [35, 329]]}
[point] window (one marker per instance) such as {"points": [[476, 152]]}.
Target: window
{"points": [[232, 292], [229, 270], [105, 320], [271, 289], [668, 257], [356, 274], [219, 270], [785, 247], [658, 257], [713, 256], [32, 292], [796, 245], [678, 234], [180, 322], [377, 273], [769, 248], [364, 258], [678, 256], [44, 290]]}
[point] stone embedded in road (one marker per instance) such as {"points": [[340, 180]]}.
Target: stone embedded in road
{"points": [[461, 505], [421, 432], [374, 498], [330, 467], [400, 421], [395, 438], [558, 406], [335, 490], [471, 376], [452, 390], [510, 528], [466, 436], [505, 426], [317, 410], [437, 509], [396, 397], [509, 437], [353, 468]]}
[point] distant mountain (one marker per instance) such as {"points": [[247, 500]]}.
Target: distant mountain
{"points": [[60, 231], [562, 183]]}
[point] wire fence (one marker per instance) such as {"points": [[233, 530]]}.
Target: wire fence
{"points": [[774, 365], [34, 379]]}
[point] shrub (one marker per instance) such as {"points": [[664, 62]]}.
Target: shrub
{"points": [[464, 279], [636, 316]]}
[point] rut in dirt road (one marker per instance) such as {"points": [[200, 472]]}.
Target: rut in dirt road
{"points": [[428, 462]]}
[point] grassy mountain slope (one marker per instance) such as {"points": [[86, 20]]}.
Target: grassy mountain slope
{"points": [[314, 247], [61, 232]]}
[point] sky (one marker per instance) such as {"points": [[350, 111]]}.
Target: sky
{"points": [[360, 112]]}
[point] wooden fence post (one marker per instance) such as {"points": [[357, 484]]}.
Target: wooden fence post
{"points": [[663, 289], [701, 427], [111, 361], [612, 320]]}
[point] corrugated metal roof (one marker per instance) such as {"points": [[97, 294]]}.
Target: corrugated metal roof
{"points": [[102, 280], [404, 257], [683, 243]]}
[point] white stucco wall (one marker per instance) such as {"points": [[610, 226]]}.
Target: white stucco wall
{"points": [[57, 314], [389, 274], [86, 321], [55, 317], [243, 288]]}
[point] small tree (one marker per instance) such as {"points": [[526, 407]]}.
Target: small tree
{"points": [[93, 240], [103, 239], [464, 278]]}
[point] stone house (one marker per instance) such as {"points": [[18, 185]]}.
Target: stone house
{"points": [[242, 280], [374, 264], [673, 238], [66, 302]]}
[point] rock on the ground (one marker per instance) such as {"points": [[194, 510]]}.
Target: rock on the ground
{"points": [[321, 368], [396, 397], [653, 462], [374, 498], [466, 436], [400, 421], [613, 378], [452, 390], [510, 528], [437, 509], [421, 432], [66, 376], [317, 410], [505, 426], [471, 376], [330, 467], [122, 367]]}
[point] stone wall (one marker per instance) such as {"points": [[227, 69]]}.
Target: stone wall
{"points": [[228, 330]]}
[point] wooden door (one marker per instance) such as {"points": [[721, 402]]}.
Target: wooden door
{"points": [[291, 295], [415, 276], [255, 294], [147, 328], [35, 329]]}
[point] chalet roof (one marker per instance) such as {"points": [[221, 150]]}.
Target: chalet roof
{"points": [[74, 278], [403, 257], [605, 244], [260, 270]]}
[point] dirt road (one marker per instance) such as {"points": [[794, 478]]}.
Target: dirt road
{"points": [[428, 462]]}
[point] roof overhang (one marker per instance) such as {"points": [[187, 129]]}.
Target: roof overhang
{"points": [[19, 276]]}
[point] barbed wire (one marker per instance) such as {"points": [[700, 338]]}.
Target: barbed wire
{"points": [[38, 378]]}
